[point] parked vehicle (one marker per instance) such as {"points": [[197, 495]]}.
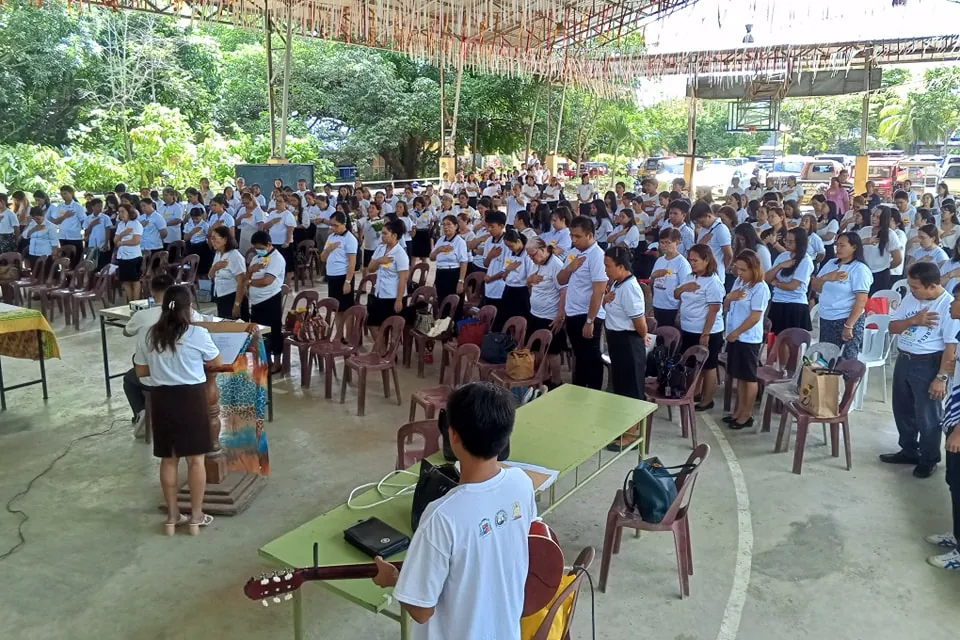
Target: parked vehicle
{"points": [[594, 168], [952, 177], [884, 173], [816, 175], [922, 175], [670, 168], [787, 167]]}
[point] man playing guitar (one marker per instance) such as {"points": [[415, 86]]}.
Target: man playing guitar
{"points": [[464, 573]]}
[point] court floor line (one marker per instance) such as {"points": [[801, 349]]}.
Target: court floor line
{"points": [[730, 625]]}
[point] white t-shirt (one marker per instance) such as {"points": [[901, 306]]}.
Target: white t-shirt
{"points": [[98, 233], [693, 304], [815, 246], [338, 259], [902, 239], [181, 366], [530, 191], [253, 219], [551, 192], [518, 277], [630, 239], [468, 560], [152, 225], [802, 273], [936, 255], [921, 340], [275, 265], [278, 232], [514, 206], [678, 270], [871, 252], [146, 318], [586, 192], [421, 218], [757, 297], [371, 237], [136, 229], [199, 237], [580, 285], [719, 238], [494, 289], [9, 222], [388, 274], [171, 212], [836, 298], [831, 227], [560, 240], [225, 280], [793, 193], [603, 228], [945, 268], [626, 305], [225, 218], [72, 227], [545, 295], [766, 262], [457, 255]]}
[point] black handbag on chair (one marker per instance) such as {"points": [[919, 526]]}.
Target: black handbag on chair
{"points": [[434, 482]]}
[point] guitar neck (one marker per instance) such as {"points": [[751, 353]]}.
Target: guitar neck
{"points": [[343, 572]]}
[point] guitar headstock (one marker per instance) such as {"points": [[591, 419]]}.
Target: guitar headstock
{"points": [[274, 587]]}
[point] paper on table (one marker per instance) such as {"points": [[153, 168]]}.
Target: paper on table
{"points": [[541, 476], [229, 344]]}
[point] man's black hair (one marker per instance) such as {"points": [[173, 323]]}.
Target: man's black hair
{"points": [[260, 237], [482, 414], [584, 223], [926, 272], [900, 194], [161, 282], [698, 210], [495, 217], [680, 205]]}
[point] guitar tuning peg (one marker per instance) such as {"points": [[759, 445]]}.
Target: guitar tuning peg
{"points": [[289, 576], [264, 581], [276, 600], [289, 596], [265, 603], [276, 578]]}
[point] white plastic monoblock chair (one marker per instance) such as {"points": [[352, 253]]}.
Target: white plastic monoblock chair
{"points": [[874, 353]]}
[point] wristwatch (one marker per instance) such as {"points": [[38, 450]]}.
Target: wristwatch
{"points": [[589, 320], [942, 377]]}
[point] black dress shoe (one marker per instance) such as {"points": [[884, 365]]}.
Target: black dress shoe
{"points": [[737, 426], [897, 458], [705, 407], [728, 419], [924, 470]]}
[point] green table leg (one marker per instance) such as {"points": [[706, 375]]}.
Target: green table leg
{"points": [[298, 615], [404, 624]]}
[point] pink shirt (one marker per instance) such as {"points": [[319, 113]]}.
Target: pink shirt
{"points": [[839, 197]]}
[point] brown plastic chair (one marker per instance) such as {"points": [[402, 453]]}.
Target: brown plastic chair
{"points": [[97, 288], [176, 251], [381, 358], [485, 316], [187, 273], [407, 455], [651, 323], [572, 590], [422, 295], [157, 263], [78, 281], [366, 286], [8, 288], [432, 399], [303, 300], [303, 269], [423, 343], [853, 372], [773, 370], [37, 276], [418, 276], [539, 345], [56, 278], [516, 328], [668, 336], [66, 251], [309, 336], [688, 417], [473, 291], [345, 342], [675, 521]]}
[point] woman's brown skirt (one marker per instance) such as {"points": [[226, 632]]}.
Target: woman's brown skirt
{"points": [[180, 420]]}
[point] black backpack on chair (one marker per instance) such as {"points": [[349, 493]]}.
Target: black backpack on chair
{"points": [[673, 377]]}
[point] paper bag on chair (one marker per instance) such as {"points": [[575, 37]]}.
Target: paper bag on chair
{"points": [[820, 391]]}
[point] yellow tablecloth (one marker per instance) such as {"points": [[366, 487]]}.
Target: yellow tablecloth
{"points": [[18, 327]]}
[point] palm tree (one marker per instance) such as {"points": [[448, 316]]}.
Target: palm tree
{"points": [[906, 123], [618, 130]]}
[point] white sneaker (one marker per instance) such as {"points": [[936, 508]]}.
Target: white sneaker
{"points": [[945, 540], [949, 561], [140, 426]]}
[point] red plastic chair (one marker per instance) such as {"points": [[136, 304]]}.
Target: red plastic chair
{"points": [[8, 287], [539, 345], [36, 277], [473, 287], [408, 455], [158, 263], [572, 590], [304, 267], [668, 336], [345, 342], [366, 286], [57, 277], [98, 288], [422, 295], [516, 328], [485, 316], [432, 399], [308, 337], [78, 281], [853, 372], [382, 358], [688, 416], [422, 343], [418, 276], [187, 273], [676, 521], [176, 251]]}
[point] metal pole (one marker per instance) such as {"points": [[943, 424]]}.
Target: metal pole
{"points": [[443, 114], [268, 41], [865, 116], [456, 107], [287, 64]]}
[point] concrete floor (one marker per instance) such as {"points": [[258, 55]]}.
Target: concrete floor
{"points": [[829, 554]]}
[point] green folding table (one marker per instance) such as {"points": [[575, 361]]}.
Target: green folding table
{"points": [[561, 430]]}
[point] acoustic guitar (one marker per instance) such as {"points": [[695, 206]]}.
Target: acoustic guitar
{"points": [[543, 574]]}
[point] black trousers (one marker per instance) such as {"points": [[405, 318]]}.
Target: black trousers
{"points": [[953, 481], [628, 363], [133, 389], [78, 251], [588, 364], [268, 313], [335, 291], [225, 305], [881, 280], [665, 317], [446, 282]]}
